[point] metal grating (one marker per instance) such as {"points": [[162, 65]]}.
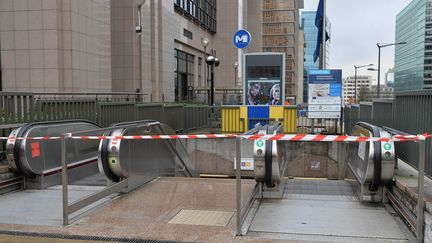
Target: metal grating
{"points": [[202, 217], [82, 237]]}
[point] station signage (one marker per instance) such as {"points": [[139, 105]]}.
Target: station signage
{"points": [[246, 164]]}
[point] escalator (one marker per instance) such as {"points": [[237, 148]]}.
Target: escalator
{"points": [[39, 161], [141, 161], [349, 210]]}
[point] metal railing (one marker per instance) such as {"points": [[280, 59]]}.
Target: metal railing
{"points": [[101, 108]]}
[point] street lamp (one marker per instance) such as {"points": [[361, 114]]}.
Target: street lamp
{"points": [[138, 28], [382, 45], [236, 64], [205, 42], [212, 61], [355, 79]]}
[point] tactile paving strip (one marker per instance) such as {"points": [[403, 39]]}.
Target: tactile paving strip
{"points": [[202, 217]]}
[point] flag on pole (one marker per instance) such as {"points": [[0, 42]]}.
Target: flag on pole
{"points": [[319, 24]]}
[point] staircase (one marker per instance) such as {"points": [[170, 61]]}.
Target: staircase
{"points": [[8, 180]]}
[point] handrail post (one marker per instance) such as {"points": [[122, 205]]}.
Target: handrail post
{"points": [[238, 184], [65, 179], [420, 199]]}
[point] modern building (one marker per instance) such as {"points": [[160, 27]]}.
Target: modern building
{"points": [[92, 45], [372, 93], [300, 67], [413, 61], [280, 31], [311, 35], [349, 90], [389, 78]]}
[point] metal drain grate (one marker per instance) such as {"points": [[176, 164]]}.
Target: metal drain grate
{"points": [[82, 237], [202, 217]]}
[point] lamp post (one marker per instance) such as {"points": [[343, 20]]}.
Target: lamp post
{"points": [[205, 42], [212, 61], [355, 79], [382, 45], [236, 64]]}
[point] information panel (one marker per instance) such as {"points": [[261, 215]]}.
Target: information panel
{"points": [[325, 93]]}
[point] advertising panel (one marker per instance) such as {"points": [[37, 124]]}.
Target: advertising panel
{"points": [[263, 92], [325, 93], [264, 75]]}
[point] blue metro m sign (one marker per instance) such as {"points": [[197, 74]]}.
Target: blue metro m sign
{"points": [[242, 39]]}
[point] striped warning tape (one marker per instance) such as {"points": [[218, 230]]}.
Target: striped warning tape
{"points": [[277, 137]]}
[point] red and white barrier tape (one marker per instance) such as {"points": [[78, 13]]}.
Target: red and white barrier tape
{"points": [[277, 137]]}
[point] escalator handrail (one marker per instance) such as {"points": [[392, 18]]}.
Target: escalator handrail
{"points": [[268, 157], [376, 180]]}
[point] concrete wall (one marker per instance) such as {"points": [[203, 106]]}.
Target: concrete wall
{"points": [[55, 45], [216, 156], [125, 65]]}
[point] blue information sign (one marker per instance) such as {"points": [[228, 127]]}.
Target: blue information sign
{"points": [[242, 39], [325, 93]]}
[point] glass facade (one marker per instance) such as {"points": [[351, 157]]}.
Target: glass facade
{"points": [[183, 75], [412, 68], [203, 11], [311, 35]]}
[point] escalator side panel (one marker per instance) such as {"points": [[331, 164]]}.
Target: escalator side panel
{"points": [[142, 160], [34, 157], [372, 163]]}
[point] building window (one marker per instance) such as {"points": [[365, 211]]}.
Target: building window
{"points": [[202, 11], [187, 34], [184, 76], [200, 60]]}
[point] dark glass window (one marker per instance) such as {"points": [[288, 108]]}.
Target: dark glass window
{"points": [[202, 11], [256, 72], [200, 60], [184, 75], [187, 34]]}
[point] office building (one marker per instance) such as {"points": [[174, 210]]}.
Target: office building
{"points": [[280, 30], [311, 35], [413, 61], [300, 67], [92, 45], [363, 84], [389, 78], [55, 46]]}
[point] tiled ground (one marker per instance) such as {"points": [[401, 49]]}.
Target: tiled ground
{"points": [[144, 213]]}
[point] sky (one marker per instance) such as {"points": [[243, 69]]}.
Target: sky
{"points": [[357, 25]]}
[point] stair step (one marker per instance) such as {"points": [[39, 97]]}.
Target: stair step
{"points": [[5, 176], [11, 184], [4, 168]]}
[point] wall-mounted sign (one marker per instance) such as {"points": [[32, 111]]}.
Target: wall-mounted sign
{"points": [[242, 39], [245, 164]]}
